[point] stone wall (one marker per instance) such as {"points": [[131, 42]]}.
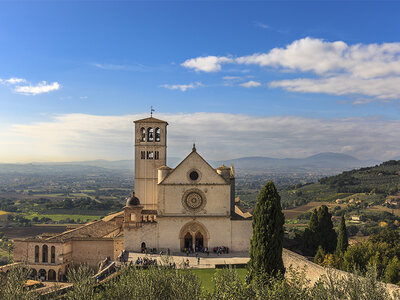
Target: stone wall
{"points": [[92, 252], [314, 271], [241, 230]]}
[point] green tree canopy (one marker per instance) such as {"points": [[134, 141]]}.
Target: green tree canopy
{"points": [[319, 232], [267, 238], [343, 240]]}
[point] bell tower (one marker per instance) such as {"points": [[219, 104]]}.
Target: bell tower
{"points": [[150, 154]]}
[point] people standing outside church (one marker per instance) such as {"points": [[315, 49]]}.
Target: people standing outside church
{"points": [[198, 260]]}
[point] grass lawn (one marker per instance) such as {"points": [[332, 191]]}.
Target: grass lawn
{"points": [[206, 276]]}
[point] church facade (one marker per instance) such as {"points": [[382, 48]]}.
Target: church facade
{"points": [[189, 207]]}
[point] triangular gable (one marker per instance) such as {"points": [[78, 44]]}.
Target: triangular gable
{"points": [[194, 161]]}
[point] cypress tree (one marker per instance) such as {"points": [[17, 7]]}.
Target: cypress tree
{"points": [[319, 232], [343, 240], [327, 235], [266, 242], [311, 234]]}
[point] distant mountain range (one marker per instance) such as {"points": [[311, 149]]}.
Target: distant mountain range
{"points": [[328, 163]]}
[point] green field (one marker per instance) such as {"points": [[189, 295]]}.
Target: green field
{"points": [[206, 276], [59, 217]]}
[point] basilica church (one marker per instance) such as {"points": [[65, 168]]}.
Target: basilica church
{"points": [[192, 206], [189, 207]]}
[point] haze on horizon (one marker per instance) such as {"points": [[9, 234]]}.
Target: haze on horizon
{"points": [[273, 79]]}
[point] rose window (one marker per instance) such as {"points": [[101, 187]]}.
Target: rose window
{"points": [[193, 200]]}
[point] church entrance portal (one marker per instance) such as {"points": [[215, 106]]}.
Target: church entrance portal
{"points": [[188, 241], [199, 241], [194, 235]]}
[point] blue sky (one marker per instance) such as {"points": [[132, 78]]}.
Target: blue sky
{"points": [[330, 69]]}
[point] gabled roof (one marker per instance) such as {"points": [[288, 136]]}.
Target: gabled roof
{"points": [[149, 120], [194, 152]]}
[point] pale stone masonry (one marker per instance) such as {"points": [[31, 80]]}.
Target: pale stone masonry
{"points": [[191, 206], [50, 256], [183, 209]]}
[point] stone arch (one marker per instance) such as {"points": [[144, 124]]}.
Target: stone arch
{"points": [[143, 134], [42, 274], [52, 275], [158, 134], [150, 134], [34, 274], [197, 231]]}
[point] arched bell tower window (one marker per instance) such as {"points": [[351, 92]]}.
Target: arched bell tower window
{"points": [[158, 134], [143, 138], [150, 134]]}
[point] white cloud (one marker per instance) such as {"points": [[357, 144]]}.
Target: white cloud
{"points": [[182, 87], [40, 88], [207, 63], [380, 88], [250, 84], [217, 136], [14, 80], [28, 88], [262, 25], [231, 78], [340, 69], [112, 67]]}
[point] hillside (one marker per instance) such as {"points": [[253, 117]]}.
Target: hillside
{"points": [[323, 162], [369, 198], [376, 183]]}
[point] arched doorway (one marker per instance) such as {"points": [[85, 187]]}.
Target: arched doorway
{"points": [[42, 274], [52, 275], [143, 247], [34, 274], [194, 235], [188, 241], [199, 241]]}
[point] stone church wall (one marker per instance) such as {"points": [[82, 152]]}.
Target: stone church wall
{"points": [[92, 252], [218, 231], [134, 237], [241, 234], [217, 199]]}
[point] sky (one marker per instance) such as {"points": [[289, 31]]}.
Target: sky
{"points": [[239, 78]]}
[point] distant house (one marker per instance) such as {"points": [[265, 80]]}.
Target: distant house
{"points": [[355, 219], [339, 201], [392, 201]]}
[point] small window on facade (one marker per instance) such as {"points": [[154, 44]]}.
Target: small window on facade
{"points": [[45, 254], [142, 154], [150, 154], [143, 138], [157, 155], [150, 135], [194, 175], [158, 134], [36, 253], [53, 255]]}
